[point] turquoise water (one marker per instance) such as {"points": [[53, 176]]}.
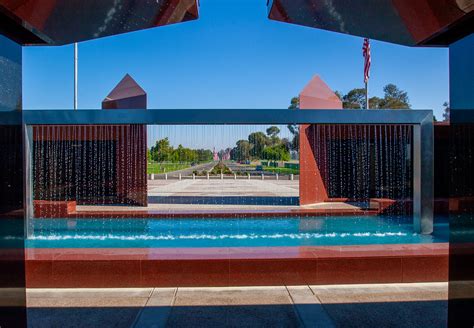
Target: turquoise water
{"points": [[217, 232]]}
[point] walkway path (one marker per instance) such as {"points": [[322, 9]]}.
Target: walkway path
{"points": [[189, 171], [387, 305], [223, 188], [223, 195]]}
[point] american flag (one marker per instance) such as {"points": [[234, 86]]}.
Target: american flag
{"points": [[367, 61]]}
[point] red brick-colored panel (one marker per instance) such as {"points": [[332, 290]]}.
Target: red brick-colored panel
{"points": [[210, 253], [359, 271], [196, 273], [53, 209], [261, 272], [39, 274], [205, 273], [160, 273], [425, 269], [248, 253], [96, 274]]}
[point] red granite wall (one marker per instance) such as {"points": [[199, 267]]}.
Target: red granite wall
{"points": [[62, 172], [316, 95]]}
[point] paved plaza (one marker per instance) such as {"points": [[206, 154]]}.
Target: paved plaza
{"points": [[223, 188], [382, 305], [222, 195]]}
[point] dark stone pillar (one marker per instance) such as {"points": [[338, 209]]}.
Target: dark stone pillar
{"points": [[461, 190], [12, 220]]}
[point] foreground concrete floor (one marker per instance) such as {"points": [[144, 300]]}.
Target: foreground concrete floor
{"points": [[382, 305]]}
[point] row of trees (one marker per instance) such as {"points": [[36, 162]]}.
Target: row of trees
{"points": [[162, 151], [259, 145], [393, 98]]}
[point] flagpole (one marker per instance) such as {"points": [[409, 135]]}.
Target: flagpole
{"points": [[366, 94]]}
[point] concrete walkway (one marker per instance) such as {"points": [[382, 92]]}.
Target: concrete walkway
{"points": [[387, 305], [223, 188], [218, 195]]}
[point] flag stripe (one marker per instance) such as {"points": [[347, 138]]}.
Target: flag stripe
{"points": [[368, 60]]}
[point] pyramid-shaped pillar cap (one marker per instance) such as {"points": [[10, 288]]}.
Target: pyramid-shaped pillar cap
{"points": [[127, 94], [317, 95]]}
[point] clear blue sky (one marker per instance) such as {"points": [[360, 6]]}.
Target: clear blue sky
{"points": [[232, 57]]}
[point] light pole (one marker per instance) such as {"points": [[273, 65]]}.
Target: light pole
{"points": [[75, 76]]}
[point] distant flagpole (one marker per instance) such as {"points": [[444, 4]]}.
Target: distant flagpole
{"points": [[367, 62]]}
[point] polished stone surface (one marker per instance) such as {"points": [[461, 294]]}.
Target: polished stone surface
{"points": [[61, 22], [393, 305], [461, 186], [422, 22], [12, 219], [11, 59], [239, 266]]}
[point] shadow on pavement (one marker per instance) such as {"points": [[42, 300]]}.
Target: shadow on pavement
{"points": [[375, 314]]}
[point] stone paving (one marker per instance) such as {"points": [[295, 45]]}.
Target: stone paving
{"points": [[223, 188], [222, 195], [381, 305]]}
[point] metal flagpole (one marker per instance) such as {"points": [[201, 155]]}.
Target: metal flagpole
{"points": [[75, 76], [367, 94]]}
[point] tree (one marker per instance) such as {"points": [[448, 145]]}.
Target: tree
{"points": [[162, 150], [276, 153], [182, 154], [295, 131], [242, 151], [354, 99], [446, 112], [286, 143], [204, 155], [374, 102], [258, 140], [273, 131], [294, 128], [394, 98], [294, 103]]}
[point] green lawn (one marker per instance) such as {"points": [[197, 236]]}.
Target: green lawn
{"points": [[157, 168]]}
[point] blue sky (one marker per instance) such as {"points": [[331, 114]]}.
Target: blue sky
{"points": [[232, 57]]}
